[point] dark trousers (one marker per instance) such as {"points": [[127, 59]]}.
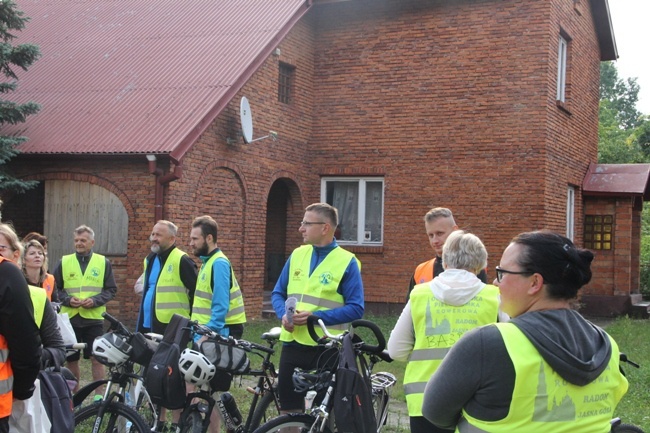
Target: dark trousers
{"points": [[4, 425]]}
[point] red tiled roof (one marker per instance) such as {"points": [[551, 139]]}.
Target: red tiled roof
{"points": [[618, 179], [140, 76]]}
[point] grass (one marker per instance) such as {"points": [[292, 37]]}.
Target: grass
{"points": [[632, 336]]}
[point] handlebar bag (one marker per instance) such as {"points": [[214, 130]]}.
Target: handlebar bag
{"points": [[226, 356], [143, 349]]}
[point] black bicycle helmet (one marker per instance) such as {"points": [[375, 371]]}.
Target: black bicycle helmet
{"points": [[305, 380]]}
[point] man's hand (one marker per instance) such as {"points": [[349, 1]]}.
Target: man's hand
{"points": [[87, 303], [300, 317], [75, 302], [286, 324]]}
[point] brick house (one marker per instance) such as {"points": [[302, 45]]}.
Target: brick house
{"points": [[384, 108]]}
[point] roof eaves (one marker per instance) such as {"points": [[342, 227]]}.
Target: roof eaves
{"points": [[604, 30], [186, 144], [616, 180]]}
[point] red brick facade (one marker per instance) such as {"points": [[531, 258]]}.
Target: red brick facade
{"points": [[452, 103]]}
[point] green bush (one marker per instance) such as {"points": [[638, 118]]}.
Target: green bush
{"points": [[644, 281]]}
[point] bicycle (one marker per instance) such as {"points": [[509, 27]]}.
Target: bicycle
{"points": [[617, 425], [126, 405], [199, 370], [320, 418]]}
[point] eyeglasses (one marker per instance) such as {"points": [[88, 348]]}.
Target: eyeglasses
{"points": [[307, 223], [501, 271]]}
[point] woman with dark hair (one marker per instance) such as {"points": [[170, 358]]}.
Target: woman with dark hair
{"points": [[548, 369]]}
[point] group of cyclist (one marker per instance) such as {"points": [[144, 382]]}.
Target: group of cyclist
{"points": [[537, 363]]}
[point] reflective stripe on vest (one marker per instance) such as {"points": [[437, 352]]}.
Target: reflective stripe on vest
{"points": [[317, 291], [170, 293], [48, 285], [424, 272], [202, 307], [6, 374], [437, 327], [38, 297], [82, 285], [542, 401]]}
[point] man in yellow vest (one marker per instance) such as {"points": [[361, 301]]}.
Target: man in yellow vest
{"points": [[218, 300], [438, 224], [85, 283], [325, 281], [169, 280], [19, 336]]}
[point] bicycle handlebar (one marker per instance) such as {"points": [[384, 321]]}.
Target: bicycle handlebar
{"points": [[244, 344], [360, 323], [116, 325]]}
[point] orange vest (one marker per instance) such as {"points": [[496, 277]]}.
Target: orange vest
{"points": [[48, 285], [424, 272], [6, 375]]}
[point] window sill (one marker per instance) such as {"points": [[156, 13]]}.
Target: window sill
{"points": [[562, 106], [364, 249]]}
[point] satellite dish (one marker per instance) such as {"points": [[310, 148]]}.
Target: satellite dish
{"points": [[246, 118]]}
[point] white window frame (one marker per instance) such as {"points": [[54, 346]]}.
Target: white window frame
{"points": [[562, 49], [361, 217], [570, 211]]}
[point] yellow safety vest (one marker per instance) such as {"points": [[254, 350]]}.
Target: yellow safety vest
{"points": [[82, 285], [38, 297], [171, 295], [317, 292], [202, 307], [437, 327], [542, 401]]}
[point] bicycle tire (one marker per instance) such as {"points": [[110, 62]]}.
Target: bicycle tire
{"points": [[627, 428], [300, 420], [118, 418], [265, 411], [192, 422]]}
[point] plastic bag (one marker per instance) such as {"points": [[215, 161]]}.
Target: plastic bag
{"points": [[29, 416], [65, 327]]}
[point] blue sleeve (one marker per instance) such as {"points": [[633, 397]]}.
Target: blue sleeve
{"points": [[351, 288], [279, 294], [220, 295]]}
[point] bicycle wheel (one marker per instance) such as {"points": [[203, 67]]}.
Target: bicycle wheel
{"points": [[302, 421], [118, 418], [145, 408], [265, 410], [192, 422], [626, 428]]}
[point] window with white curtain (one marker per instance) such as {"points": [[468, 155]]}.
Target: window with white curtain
{"points": [[360, 202]]}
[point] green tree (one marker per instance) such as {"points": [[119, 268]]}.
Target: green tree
{"points": [[623, 132], [11, 57]]}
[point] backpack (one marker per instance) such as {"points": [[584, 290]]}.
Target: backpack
{"points": [[353, 409], [163, 379], [57, 399]]}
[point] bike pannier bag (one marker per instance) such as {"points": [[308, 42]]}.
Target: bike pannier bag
{"points": [[226, 356], [164, 381], [57, 399], [353, 409]]}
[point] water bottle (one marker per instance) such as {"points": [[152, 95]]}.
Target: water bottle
{"points": [[229, 411], [129, 402]]}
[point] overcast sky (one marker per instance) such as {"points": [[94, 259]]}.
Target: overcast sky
{"points": [[632, 32]]}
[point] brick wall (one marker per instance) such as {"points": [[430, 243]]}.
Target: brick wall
{"points": [[453, 103]]}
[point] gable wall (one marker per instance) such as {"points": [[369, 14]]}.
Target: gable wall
{"points": [[449, 101]]}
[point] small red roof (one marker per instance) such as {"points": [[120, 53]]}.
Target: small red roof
{"points": [[617, 179], [140, 76]]}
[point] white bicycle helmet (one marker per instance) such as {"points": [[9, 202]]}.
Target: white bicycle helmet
{"points": [[195, 367], [111, 349]]}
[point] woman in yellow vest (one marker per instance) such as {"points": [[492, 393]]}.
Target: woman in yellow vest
{"points": [[34, 264], [548, 369], [437, 314]]}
